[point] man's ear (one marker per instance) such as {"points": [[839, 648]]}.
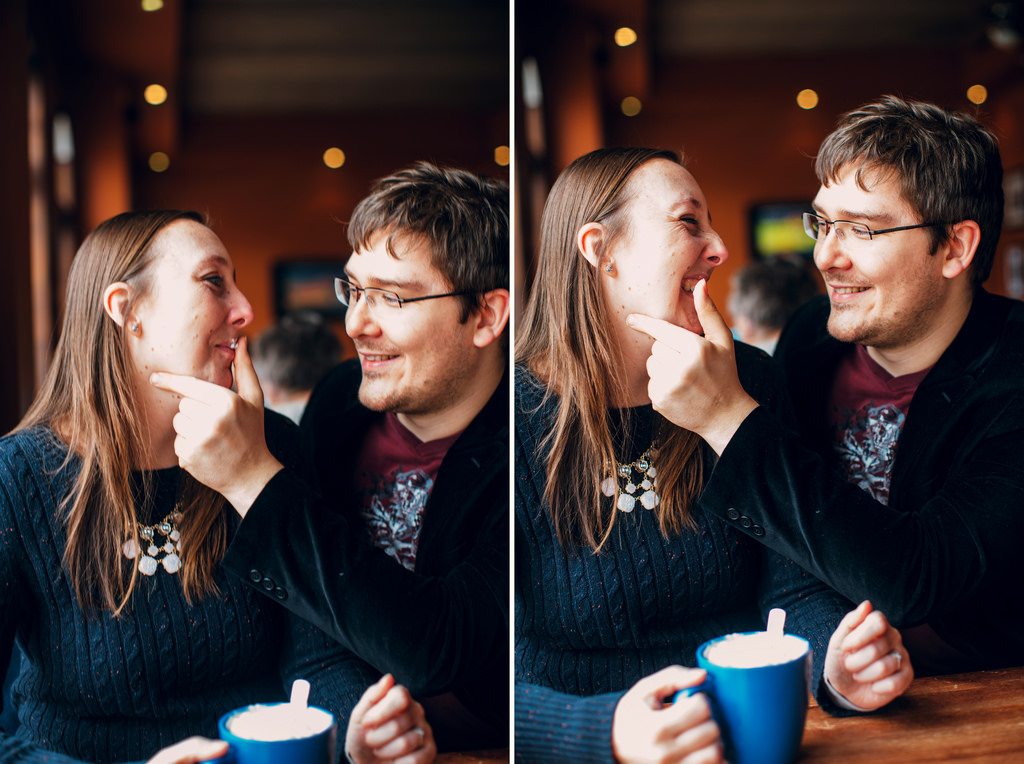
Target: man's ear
{"points": [[115, 301], [590, 241], [960, 249], [491, 317]]}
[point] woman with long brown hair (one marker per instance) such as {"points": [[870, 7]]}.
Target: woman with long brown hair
{"points": [[132, 636], [620, 574]]}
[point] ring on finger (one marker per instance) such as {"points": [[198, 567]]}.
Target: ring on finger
{"points": [[899, 658]]}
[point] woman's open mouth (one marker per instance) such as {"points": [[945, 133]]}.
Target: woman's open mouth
{"points": [[690, 283]]}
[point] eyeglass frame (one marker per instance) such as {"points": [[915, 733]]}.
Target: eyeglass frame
{"points": [[871, 234], [339, 291]]}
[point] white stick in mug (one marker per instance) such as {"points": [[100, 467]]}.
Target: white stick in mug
{"points": [[300, 693]]}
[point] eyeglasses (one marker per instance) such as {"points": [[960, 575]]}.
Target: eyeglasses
{"points": [[348, 294], [817, 228]]}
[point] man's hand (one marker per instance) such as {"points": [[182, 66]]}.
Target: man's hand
{"points": [[694, 382], [387, 725], [220, 438], [866, 662]]}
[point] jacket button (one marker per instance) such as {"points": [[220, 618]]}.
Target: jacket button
{"points": [[280, 593], [732, 513], [268, 584], [255, 575], [746, 522], [757, 530]]}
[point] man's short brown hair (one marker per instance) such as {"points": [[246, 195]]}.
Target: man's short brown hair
{"points": [[947, 165], [463, 217]]}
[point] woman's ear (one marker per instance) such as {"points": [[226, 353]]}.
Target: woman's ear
{"points": [[591, 241], [115, 301], [491, 317]]}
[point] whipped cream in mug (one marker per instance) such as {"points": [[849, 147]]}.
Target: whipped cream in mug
{"points": [[753, 650], [280, 721]]}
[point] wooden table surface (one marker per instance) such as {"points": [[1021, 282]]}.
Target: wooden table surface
{"points": [[960, 717], [474, 757]]}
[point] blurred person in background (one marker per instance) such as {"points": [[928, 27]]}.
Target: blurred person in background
{"points": [[763, 296], [290, 357]]}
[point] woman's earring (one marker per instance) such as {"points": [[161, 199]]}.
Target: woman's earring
{"points": [[609, 268], [134, 328]]}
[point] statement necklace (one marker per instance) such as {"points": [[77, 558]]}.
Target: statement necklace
{"points": [[164, 552], [648, 481]]}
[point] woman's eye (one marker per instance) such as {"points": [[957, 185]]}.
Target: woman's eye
{"points": [[215, 278]]}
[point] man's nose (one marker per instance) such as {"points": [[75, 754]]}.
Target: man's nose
{"points": [[359, 319], [829, 253]]}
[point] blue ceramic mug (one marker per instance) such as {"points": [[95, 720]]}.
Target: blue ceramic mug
{"points": [[270, 733], [758, 693]]}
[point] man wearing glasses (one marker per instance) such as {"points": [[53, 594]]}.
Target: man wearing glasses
{"points": [[905, 485], [405, 558]]}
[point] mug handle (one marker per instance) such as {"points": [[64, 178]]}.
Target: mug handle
{"points": [[686, 692]]}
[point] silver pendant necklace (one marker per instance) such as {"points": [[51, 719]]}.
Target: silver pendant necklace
{"points": [[646, 481], [161, 545]]}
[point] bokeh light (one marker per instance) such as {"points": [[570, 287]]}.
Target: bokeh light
{"points": [[807, 99], [159, 161], [502, 156], [624, 36], [334, 158], [155, 94], [631, 106], [977, 94]]}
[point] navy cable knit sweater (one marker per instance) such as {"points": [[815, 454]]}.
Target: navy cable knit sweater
{"points": [[102, 689], [589, 626]]}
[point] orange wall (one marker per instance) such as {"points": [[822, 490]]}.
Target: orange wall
{"points": [[746, 139], [269, 196]]}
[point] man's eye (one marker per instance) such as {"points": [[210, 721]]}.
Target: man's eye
{"points": [[391, 300]]}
